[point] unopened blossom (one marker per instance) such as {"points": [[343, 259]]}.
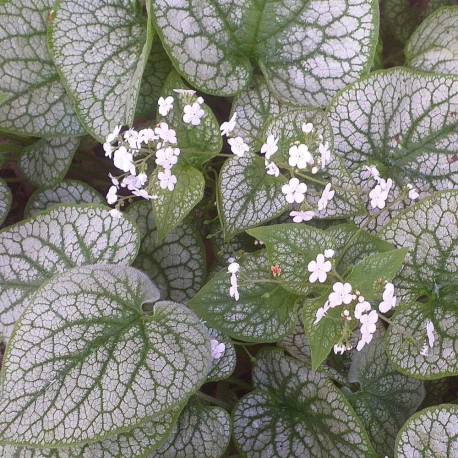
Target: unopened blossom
{"points": [[238, 146], [233, 269], [329, 253], [379, 194], [300, 156], [319, 269], [301, 216], [167, 157], [192, 114], [326, 197], [413, 193], [361, 308], [217, 349], [276, 270], [227, 127], [167, 180], [339, 349], [389, 299], [341, 294], [307, 127], [123, 160], [325, 154], [272, 169], [294, 191], [269, 148], [367, 329], [112, 195], [346, 314], [165, 105], [165, 133]]}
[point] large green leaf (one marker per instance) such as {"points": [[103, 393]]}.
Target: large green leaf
{"points": [[265, 312], [430, 231], [96, 353], [295, 412], [66, 192], [307, 50], [36, 103], [100, 49], [385, 398], [45, 162], [170, 208], [247, 196], [433, 46], [432, 432], [202, 431], [32, 251], [177, 264], [5, 200]]}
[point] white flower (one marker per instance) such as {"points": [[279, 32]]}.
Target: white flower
{"points": [[389, 299], [294, 191], [326, 197], [111, 137], [272, 169], [133, 138], [123, 160], [108, 148], [167, 157], [361, 308], [192, 114], [217, 348], [413, 193], [325, 154], [147, 135], [370, 171], [115, 213], [339, 349], [300, 156], [238, 146], [166, 134], [320, 313], [329, 253], [319, 269], [379, 194], [301, 216], [233, 269], [269, 148], [167, 180], [307, 127], [341, 294], [165, 105], [227, 127], [368, 328], [134, 182], [112, 196]]}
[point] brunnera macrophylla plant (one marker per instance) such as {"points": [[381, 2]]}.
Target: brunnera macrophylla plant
{"points": [[228, 228]]}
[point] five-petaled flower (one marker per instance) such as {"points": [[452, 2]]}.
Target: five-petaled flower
{"points": [[319, 269], [192, 114], [294, 191], [269, 148], [167, 180], [238, 146], [300, 156], [165, 105]]}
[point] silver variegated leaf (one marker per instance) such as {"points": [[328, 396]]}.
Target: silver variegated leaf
{"points": [[46, 162], [96, 353], [32, 251], [66, 192], [100, 49], [35, 101], [177, 264], [295, 412], [5, 200]]}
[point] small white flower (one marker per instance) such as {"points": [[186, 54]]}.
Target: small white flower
{"points": [[379, 194], [165, 133], [300, 156], [272, 169], [147, 135], [112, 195], [111, 137], [134, 182], [341, 294], [370, 171], [389, 299], [192, 114], [165, 105], [233, 269], [368, 328], [294, 191], [167, 180], [326, 197], [133, 138], [123, 160], [307, 127], [269, 148], [361, 308], [227, 127], [115, 213], [325, 154], [329, 253], [413, 193], [319, 269], [108, 148], [238, 146], [217, 348], [167, 157], [301, 216], [339, 349]]}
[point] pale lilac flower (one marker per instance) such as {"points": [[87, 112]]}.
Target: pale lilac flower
{"points": [[112, 195], [165, 133], [123, 160], [192, 114], [300, 156], [165, 105], [217, 349], [227, 127], [362, 308], [238, 146], [301, 216], [167, 180], [167, 157], [272, 169], [269, 148], [319, 269], [307, 128], [341, 294], [326, 197], [294, 191]]}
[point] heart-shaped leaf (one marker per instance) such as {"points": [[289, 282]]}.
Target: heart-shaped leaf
{"points": [[170, 208], [265, 311], [430, 231], [32, 251], [224, 366], [201, 431], [36, 103], [103, 73], [46, 162], [432, 47], [306, 56], [430, 432], [66, 192], [385, 398], [5, 200], [177, 264], [295, 412], [94, 354], [247, 196]]}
